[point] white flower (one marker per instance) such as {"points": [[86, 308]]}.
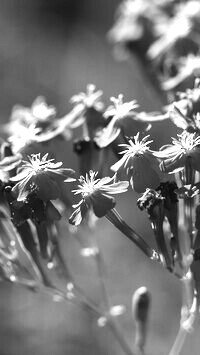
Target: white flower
{"points": [[97, 194], [42, 173], [139, 164], [174, 156]]}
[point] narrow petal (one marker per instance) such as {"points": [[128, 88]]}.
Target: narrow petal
{"points": [[116, 188], [79, 214], [22, 175], [115, 167], [173, 165], [64, 174], [108, 134], [22, 188]]}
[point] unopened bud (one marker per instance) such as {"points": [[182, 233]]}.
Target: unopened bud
{"points": [[140, 310]]}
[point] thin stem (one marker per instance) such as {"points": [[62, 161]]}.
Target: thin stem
{"points": [[110, 320], [188, 289], [85, 299], [186, 326], [114, 217], [120, 338], [101, 274], [179, 342]]}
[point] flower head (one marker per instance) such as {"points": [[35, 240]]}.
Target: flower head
{"points": [[120, 109], [23, 137], [124, 119], [88, 111], [89, 99], [38, 112], [140, 165], [175, 156], [97, 194], [42, 174], [185, 110]]}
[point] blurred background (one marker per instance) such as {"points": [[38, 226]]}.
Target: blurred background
{"points": [[55, 48]]}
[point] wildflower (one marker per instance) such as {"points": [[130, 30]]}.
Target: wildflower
{"points": [[89, 99], [96, 195], [43, 174], [140, 165], [124, 119], [183, 151], [89, 107], [26, 136], [37, 113], [120, 109]]}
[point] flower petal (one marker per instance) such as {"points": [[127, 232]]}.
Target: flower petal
{"points": [[115, 167], [116, 188], [22, 188], [22, 175], [78, 215], [108, 134]]}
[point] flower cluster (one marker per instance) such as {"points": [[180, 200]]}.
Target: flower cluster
{"points": [[164, 34], [114, 153]]}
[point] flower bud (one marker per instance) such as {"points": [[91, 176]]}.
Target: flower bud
{"points": [[140, 311]]}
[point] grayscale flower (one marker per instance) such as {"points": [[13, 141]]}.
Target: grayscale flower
{"points": [[43, 174], [38, 112], [174, 156], [124, 119], [139, 164], [97, 195]]}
